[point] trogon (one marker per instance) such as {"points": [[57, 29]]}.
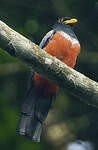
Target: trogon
{"points": [[62, 43]]}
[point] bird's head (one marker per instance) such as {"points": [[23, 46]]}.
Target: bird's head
{"points": [[68, 21]]}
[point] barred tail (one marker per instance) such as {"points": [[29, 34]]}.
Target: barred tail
{"points": [[34, 112]]}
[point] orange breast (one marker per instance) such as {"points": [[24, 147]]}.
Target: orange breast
{"points": [[65, 50], [44, 86]]}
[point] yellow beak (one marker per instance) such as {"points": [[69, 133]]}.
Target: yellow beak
{"points": [[71, 21]]}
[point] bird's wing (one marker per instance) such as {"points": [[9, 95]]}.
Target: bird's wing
{"points": [[46, 39], [42, 45]]}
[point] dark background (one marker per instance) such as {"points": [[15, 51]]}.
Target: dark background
{"points": [[69, 119]]}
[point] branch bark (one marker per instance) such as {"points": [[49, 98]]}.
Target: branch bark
{"points": [[50, 67]]}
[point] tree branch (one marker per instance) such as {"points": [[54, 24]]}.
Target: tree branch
{"points": [[50, 67]]}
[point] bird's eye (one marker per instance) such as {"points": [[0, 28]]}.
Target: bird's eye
{"points": [[62, 20]]}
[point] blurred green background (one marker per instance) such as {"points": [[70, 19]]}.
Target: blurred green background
{"points": [[69, 119]]}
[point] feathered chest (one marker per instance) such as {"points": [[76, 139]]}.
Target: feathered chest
{"points": [[63, 45]]}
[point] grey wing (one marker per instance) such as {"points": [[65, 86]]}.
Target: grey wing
{"points": [[42, 44], [46, 39]]}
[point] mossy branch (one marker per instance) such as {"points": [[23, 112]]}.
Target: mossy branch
{"points": [[50, 67]]}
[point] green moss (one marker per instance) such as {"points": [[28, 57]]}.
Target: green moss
{"points": [[5, 57]]}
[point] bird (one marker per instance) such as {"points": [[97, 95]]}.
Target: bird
{"points": [[62, 43]]}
